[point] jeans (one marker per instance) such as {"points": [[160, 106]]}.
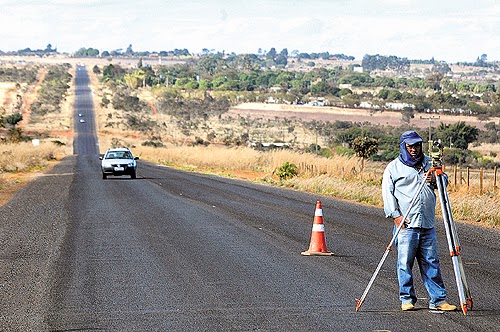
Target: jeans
{"points": [[419, 244]]}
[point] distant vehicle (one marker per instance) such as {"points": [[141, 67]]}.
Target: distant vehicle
{"points": [[80, 114], [119, 162], [82, 121]]}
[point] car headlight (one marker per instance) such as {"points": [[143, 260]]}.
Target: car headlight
{"points": [[132, 164]]}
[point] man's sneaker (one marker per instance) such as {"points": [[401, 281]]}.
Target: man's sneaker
{"points": [[407, 306], [445, 306]]}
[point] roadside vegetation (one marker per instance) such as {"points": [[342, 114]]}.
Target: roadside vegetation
{"points": [[178, 115], [34, 105], [20, 160], [331, 176]]}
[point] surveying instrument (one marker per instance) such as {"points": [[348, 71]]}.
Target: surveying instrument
{"points": [[436, 154]]}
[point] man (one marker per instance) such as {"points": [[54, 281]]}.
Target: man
{"points": [[417, 238]]}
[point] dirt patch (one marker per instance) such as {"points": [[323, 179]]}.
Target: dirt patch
{"points": [[332, 114], [30, 96], [7, 92]]}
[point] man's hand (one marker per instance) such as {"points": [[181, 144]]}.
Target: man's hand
{"points": [[398, 221], [431, 178]]}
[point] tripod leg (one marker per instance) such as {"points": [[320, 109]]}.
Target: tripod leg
{"points": [[458, 248], [454, 246]]}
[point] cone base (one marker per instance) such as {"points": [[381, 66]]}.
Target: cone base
{"points": [[316, 253]]}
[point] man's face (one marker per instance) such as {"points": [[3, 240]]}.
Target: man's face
{"points": [[414, 150]]}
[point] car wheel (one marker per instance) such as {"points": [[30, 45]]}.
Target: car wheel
{"points": [[133, 175], [104, 176]]}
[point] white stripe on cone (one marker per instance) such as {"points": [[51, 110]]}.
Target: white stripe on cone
{"points": [[318, 228]]}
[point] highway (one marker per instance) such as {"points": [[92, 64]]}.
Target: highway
{"points": [[179, 251]]}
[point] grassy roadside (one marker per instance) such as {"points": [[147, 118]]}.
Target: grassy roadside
{"points": [[21, 162], [248, 164]]}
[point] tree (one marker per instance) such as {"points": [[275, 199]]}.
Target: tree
{"points": [[210, 64], [14, 119], [113, 72], [135, 79], [271, 54], [320, 88], [281, 60], [458, 134], [383, 94], [433, 81], [394, 95], [441, 67], [365, 147], [49, 49], [129, 50], [372, 62]]}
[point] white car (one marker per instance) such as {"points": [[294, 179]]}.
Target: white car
{"points": [[118, 162]]}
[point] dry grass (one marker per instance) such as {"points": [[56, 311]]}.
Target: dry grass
{"points": [[488, 149], [326, 178], [20, 161], [23, 157], [224, 158]]}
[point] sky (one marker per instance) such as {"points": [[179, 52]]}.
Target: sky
{"points": [[446, 30]]}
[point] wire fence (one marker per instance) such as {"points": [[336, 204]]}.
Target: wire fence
{"points": [[473, 180], [480, 181]]}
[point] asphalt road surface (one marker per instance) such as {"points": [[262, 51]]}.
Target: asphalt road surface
{"points": [[178, 251]]}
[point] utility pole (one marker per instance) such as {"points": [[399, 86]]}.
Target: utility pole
{"points": [[316, 145]]}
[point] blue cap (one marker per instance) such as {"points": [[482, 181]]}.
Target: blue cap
{"points": [[410, 137]]}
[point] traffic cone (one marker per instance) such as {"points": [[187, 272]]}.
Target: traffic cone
{"points": [[318, 243]]}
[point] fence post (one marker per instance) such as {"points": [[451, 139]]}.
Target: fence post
{"points": [[455, 175], [495, 180], [461, 176], [468, 179], [480, 181]]}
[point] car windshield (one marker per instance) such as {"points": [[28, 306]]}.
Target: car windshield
{"points": [[119, 155]]}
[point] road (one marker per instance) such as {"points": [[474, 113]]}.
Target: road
{"points": [[179, 251]]}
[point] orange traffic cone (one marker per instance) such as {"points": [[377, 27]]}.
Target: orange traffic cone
{"points": [[318, 243]]}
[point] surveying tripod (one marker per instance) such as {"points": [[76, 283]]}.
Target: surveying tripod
{"points": [[436, 153]]}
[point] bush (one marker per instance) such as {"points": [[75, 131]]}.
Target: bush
{"points": [[342, 151], [154, 144], [58, 143], [287, 170]]}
